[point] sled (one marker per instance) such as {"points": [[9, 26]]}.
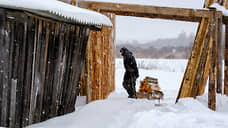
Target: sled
{"points": [[149, 89]]}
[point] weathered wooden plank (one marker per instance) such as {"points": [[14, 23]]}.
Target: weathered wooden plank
{"points": [[97, 78], [2, 35], [62, 60], [66, 71], [23, 69], [193, 15], [11, 58], [49, 75], [34, 78], [42, 69], [28, 75], [191, 69], [46, 32], [17, 64], [226, 53], [31, 65], [226, 63], [57, 71], [193, 64], [198, 83], [81, 65], [77, 47], [3, 72], [212, 73], [13, 104], [75, 61], [70, 71], [8, 50], [52, 64], [219, 57]]}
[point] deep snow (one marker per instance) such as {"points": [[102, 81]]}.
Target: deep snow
{"points": [[120, 112]]}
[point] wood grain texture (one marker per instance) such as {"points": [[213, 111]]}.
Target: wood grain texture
{"points": [[41, 63]]}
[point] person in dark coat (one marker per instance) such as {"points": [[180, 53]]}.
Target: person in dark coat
{"points": [[131, 72]]}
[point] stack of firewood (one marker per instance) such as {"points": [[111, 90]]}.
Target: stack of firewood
{"points": [[149, 89]]}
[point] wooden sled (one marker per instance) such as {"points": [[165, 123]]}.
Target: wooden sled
{"points": [[149, 89]]}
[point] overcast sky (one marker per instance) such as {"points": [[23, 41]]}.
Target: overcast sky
{"points": [[143, 29]]}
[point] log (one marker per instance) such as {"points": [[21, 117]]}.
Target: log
{"points": [[193, 15]]}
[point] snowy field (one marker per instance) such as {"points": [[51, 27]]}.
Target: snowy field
{"points": [[120, 112]]}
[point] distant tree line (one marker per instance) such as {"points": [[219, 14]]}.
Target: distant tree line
{"points": [[176, 48]]}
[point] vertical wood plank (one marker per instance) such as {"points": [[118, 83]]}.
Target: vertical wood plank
{"points": [[70, 71], [46, 69], [13, 104], [62, 60], [99, 71], [201, 74], [20, 68], [194, 60], [57, 71], [34, 77], [4, 68], [66, 71], [212, 72], [49, 71], [219, 57], [226, 63], [81, 65], [2, 35], [187, 85], [28, 75]]}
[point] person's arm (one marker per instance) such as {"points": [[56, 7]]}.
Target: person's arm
{"points": [[132, 64]]}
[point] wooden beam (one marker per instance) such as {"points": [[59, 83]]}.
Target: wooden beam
{"points": [[193, 15], [196, 74], [213, 66], [190, 79]]}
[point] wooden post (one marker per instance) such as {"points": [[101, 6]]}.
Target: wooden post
{"points": [[194, 80], [213, 53], [225, 3], [226, 63], [219, 56]]}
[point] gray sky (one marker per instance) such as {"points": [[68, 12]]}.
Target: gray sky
{"points": [[143, 29]]}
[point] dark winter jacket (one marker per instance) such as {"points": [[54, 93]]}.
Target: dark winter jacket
{"points": [[129, 62]]}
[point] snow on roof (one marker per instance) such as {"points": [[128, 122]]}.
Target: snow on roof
{"points": [[194, 4], [59, 10], [220, 8]]}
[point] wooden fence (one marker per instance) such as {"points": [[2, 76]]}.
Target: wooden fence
{"points": [[40, 65]]}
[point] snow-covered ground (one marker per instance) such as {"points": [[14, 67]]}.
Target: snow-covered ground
{"points": [[120, 112]]}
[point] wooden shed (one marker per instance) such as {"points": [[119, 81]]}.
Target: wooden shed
{"points": [[42, 52]]}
